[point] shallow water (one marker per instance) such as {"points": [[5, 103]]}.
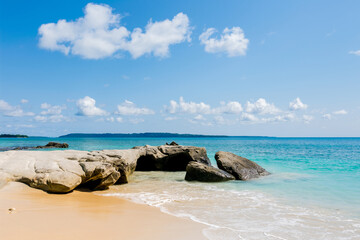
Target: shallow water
{"points": [[312, 193]]}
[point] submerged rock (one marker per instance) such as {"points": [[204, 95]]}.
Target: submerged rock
{"points": [[241, 168], [54, 145], [171, 157], [203, 173], [48, 145]]}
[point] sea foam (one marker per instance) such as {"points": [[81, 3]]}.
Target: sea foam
{"points": [[232, 213]]}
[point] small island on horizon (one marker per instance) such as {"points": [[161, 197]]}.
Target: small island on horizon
{"points": [[13, 136]]}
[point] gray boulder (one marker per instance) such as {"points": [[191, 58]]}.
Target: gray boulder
{"points": [[241, 168], [203, 173], [57, 171], [169, 157]]}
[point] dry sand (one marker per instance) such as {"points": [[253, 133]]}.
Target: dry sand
{"points": [[85, 215]]}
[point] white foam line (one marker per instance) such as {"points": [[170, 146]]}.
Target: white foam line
{"points": [[181, 215], [270, 235]]}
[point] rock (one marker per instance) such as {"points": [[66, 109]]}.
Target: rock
{"points": [[203, 173], [241, 168], [104, 183], [169, 157], [54, 145], [172, 144], [58, 171]]}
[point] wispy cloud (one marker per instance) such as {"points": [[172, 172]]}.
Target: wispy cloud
{"points": [[13, 111], [130, 108], [357, 53]]}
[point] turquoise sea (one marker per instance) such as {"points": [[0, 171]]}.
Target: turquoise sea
{"points": [[312, 193]]}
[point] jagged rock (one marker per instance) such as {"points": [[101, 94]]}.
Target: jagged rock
{"points": [[169, 157], [203, 173], [241, 168], [172, 144]]}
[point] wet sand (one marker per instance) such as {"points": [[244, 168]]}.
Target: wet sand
{"points": [[85, 215]]}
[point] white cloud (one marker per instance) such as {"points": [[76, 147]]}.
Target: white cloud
{"points": [[357, 53], [158, 36], [99, 34], [51, 110], [297, 105], [129, 108], [24, 101], [262, 107], [307, 118], [4, 106], [232, 41], [199, 118], [86, 107], [340, 112], [50, 118], [18, 112], [13, 111], [248, 117], [327, 116], [188, 107], [286, 117], [182, 106], [231, 107]]}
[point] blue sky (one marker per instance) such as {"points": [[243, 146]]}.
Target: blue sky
{"points": [[277, 68]]}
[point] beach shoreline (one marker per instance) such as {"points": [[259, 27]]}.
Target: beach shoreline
{"points": [[36, 214]]}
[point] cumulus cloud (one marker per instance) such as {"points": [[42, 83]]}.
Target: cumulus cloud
{"points": [[86, 107], [13, 111], [24, 101], [232, 41], [297, 105], [232, 107], [182, 106], [158, 36], [357, 53], [130, 108], [188, 107], [99, 34], [262, 107]]}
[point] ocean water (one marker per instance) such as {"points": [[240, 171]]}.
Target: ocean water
{"points": [[312, 193]]}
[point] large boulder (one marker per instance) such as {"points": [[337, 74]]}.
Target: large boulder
{"points": [[203, 173], [241, 168], [57, 171], [169, 157]]}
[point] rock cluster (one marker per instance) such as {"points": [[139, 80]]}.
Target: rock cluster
{"points": [[62, 171]]}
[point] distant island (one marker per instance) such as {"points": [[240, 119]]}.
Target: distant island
{"points": [[152, 135], [13, 136]]}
